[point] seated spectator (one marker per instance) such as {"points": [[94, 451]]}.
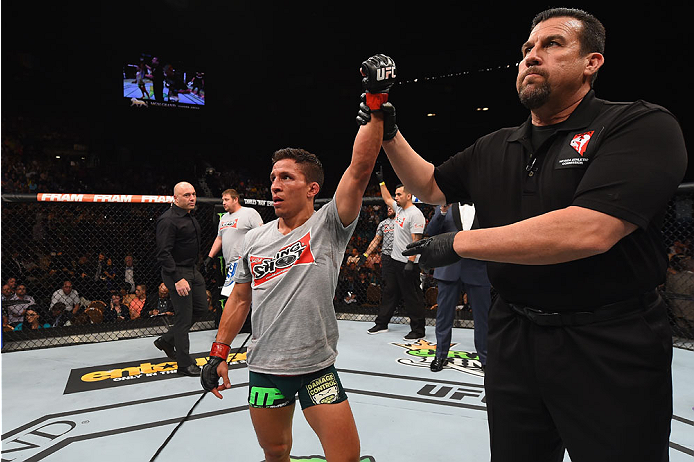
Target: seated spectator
{"points": [[6, 325], [69, 297], [7, 292], [361, 285], [58, 316], [31, 321], [20, 302], [138, 303], [109, 277], [12, 283], [116, 311], [353, 256], [126, 296], [159, 306]]}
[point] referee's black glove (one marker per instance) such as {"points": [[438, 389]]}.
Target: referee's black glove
{"points": [[390, 128], [434, 251]]}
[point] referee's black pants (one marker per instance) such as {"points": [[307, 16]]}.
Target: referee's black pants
{"points": [[401, 284], [187, 310], [603, 391]]}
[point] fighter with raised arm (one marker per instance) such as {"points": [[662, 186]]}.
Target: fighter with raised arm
{"points": [[289, 270]]}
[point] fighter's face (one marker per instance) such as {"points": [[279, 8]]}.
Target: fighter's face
{"points": [[289, 187]]}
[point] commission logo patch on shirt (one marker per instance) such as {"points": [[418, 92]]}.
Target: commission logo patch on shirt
{"points": [[576, 153], [264, 269]]}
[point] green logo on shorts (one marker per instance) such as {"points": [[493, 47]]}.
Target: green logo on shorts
{"points": [[261, 396]]}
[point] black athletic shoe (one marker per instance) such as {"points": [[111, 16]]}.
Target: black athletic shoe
{"points": [[165, 347], [413, 336], [377, 330]]}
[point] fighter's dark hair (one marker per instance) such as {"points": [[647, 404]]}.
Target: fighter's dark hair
{"points": [[308, 163]]}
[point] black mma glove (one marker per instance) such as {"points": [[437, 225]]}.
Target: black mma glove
{"points": [[434, 251], [379, 174], [409, 267], [390, 129], [208, 377], [207, 263], [378, 74], [364, 114], [360, 260]]}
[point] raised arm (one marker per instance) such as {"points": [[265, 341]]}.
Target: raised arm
{"points": [[379, 75], [415, 173]]}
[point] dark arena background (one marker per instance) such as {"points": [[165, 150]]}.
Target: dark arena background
{"points": [[90, 152]]}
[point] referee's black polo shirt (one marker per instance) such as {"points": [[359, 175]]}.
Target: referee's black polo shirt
{"points": [[178, 241], [622, 159]]}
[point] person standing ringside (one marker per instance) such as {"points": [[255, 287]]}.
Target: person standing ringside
{"points": [[178, 247]]}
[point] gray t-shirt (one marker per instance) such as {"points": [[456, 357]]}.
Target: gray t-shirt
{"points": [[232, 229], [408, 221], [385, 230], [293, 279]]}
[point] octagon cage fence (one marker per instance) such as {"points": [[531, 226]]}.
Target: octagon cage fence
{"points": [[89, 239]]}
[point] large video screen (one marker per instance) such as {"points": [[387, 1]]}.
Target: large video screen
{"points": [[158, 81]]}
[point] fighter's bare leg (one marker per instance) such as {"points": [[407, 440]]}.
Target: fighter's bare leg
{"points": [[273, 427], [335, 427]]}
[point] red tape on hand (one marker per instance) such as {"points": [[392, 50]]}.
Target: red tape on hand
{"points": [[220, 350], [374, 100]]}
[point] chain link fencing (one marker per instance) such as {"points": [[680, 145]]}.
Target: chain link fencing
{"points": [[104, 247]]}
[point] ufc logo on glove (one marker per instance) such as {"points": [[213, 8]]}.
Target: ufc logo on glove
{"points": [[384, 73]]}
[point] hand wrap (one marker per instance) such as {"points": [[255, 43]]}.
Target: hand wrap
{"points": [[208, 377]]}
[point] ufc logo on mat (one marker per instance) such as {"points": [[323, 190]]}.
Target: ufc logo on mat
{"points": [[384, 73]]}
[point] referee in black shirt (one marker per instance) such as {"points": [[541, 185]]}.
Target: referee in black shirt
{"points": [[178, 247]]}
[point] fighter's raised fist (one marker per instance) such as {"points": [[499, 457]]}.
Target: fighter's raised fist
{"points": [[378, 76]]}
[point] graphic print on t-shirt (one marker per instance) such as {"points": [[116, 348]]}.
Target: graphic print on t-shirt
{"points": [[264, 269]]}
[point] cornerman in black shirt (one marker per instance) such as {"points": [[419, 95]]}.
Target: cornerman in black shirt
{"points": [[178, 248], [570, 206]]}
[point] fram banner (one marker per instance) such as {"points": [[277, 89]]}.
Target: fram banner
{"points": [[127, 198]]}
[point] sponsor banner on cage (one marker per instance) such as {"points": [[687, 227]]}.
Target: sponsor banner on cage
{"points": [[136, 371], [105, 198]]}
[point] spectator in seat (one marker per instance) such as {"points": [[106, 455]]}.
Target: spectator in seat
{"points": [[16, 311], [31, 321], [128, 275], [160, 305], [57, 315], [68, 296], [138, 303], [7, 292], [116, 311]]}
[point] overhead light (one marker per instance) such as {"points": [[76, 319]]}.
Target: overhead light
{"points": [[480, 109], [431, 114]]}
